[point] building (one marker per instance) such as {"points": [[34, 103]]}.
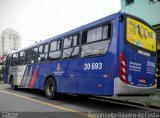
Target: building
{"points": [[147, 10], [10, 40]]}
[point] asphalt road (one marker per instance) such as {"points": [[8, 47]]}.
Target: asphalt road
{"points": [[29, 103]]}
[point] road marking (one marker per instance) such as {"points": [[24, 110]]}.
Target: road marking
{"points": [[47, 104]]}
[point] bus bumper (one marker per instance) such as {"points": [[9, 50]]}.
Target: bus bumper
{"points": [[121, 88]]}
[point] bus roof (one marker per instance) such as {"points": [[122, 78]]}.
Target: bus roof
{"points": [[81, 28]]}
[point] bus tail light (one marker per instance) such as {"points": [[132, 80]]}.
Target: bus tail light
{"points": [[122, 68], [155, 81]]}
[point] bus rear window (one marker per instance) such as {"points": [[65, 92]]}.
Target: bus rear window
{"points": [[140, 35]]}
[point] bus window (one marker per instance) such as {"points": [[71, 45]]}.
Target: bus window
{"points": [[94, 34], [55, 50], [46, 47], [31, 55], [106, 32], [75, 40], [14, 60], [53, 46], [40, 49], [96, 41], [43, 53], [21, 54], [67, 42], [21, 58], [35, 50], [140, 37], [70, 47], [58, 45]]}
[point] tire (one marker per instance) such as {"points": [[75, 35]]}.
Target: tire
{"points": [[12, 85], [50, 89]]}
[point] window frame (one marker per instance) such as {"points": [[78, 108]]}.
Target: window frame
{"points": [[51, 51], [103, 24], [22, 57], [129, 2], [13, 60], [8, 61], [45, 47], [42, 48], [72, 45], [68, 37], [43, 52], [134, 47], [80, 43], [109, 38], [32, 55], [19, 56]]}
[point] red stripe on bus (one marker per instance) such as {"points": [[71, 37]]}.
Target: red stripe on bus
{"points": [[31, 83]]}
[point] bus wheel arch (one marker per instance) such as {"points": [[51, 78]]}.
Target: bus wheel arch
{"points": [[11, 82], [50, 87], [10, 78]]}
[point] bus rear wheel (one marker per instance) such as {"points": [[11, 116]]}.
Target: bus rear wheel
{"points": [[50, 89], [12, 85]]}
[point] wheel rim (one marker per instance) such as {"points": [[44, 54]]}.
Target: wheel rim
{"points": [[50, 89], [12, 83]]}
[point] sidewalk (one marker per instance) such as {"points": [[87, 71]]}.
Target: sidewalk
{"points": [[158, 90], [152, 101]]}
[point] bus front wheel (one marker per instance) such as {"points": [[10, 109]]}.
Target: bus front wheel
{"points": [[50, 89], [12, 85]]}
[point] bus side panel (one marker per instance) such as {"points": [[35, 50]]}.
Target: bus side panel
{"points": [[90, 79], [6, 75], [6, 71], [65, 74], [41, 75], [13, 72], [29, 76], [111, 61], [68, 76], [51, 69]]}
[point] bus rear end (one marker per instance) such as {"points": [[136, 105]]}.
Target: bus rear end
{"points": [[137, 59]]}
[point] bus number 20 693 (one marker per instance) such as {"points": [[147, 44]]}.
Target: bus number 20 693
{"points": [[93, 66]]}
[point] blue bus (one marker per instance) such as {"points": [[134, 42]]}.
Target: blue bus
{"points": [[115, 55]]}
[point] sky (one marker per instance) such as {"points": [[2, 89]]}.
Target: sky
{"points": [[37, 20]]}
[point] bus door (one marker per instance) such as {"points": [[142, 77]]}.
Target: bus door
{"points": [[6, 68]]}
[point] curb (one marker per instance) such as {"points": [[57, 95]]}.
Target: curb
{"points": [[127, 102], [154, 107]]}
